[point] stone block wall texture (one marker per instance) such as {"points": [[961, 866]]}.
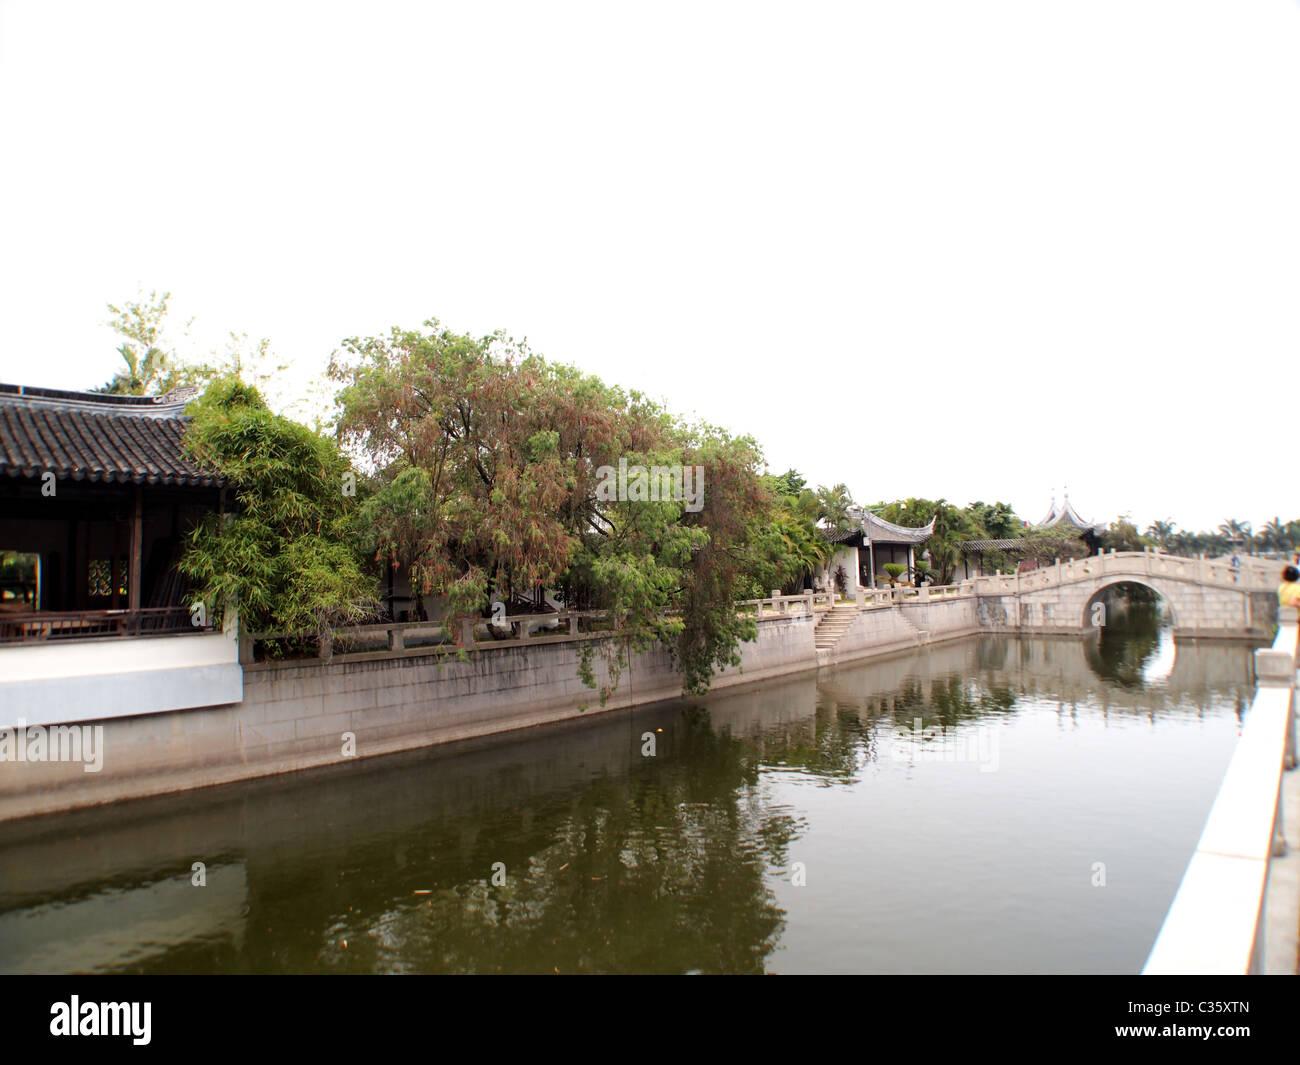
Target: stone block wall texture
{"points": [[295, 716]]}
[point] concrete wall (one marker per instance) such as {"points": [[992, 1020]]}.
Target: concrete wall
{"points": [[294, 716], [91, 680], [848, 558], [291, 716], [883, 630], [1196, 610]]}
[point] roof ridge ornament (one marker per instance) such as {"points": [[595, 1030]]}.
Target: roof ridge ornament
{"points": [[179, 394]]}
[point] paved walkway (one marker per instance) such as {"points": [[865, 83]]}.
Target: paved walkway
{"points": [[1282, 902]]}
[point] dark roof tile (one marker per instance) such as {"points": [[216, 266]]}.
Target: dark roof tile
{"points": [[90, 437]]}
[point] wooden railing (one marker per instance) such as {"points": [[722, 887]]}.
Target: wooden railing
{"points": [[47, 625]]}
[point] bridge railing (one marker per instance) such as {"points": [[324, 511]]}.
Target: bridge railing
{"points": [[1216, 922], [1132, 563]]}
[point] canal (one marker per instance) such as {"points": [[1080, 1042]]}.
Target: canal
{"points": [[987, 805]]}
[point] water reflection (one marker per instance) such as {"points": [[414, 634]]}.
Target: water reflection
{"points": [[1135, 647], [568, 850]]}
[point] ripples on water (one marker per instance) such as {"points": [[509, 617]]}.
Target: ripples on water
{"points": [[939, 811]]}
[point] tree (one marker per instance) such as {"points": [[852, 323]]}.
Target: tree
{"points": [[790, 483], [997, 521], [1162, 532], [1124, 536], [833, 507], [789, 545], [894, 571], [952, 525], [488, 479], [1273, 536], [486, 458], [152, 367], [285, 557], [1237, 533]]}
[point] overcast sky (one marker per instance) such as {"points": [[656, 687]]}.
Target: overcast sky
{"points": [[977, 249]]}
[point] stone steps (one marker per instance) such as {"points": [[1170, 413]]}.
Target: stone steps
{"points": [[834, 624], [922, 635]]}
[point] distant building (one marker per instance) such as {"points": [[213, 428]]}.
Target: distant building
{"points": [[973, 552], [1065, 515]]}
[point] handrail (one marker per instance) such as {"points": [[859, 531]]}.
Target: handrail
{"points": [[553, 627], [1241, 578], [1215, 924], [40, 626]]}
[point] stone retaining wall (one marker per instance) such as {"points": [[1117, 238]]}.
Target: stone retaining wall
{"points": [[294, 715]]}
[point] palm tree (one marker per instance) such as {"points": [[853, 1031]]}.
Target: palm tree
{"points": [[1162, 532], [1236, 532], [1273, 536]]}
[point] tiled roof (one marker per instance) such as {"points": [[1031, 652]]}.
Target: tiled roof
{"points": [[868, 526], [1067, 515], [85, 436], [991, 545]]}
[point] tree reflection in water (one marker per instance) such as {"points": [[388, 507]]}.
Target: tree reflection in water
{"points": [[1132, 637]]}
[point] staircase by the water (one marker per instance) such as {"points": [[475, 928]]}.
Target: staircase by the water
{"points": [[834, 624], [922, 635]]}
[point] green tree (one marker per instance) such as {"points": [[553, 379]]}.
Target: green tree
{"points": [[790, 483], [996, 521], [1123, 535], [491, 477], [1273, 537], [1237, 534], [1163, 533], [952, 525], [151, 365], [789, 545], [833, 507], [285, 556]]}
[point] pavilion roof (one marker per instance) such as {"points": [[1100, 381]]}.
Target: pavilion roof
{"points": [[1066, 515], [870, 527], [88, 436], [991, 545]]}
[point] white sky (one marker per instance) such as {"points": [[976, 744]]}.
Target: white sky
{"points": [[971, 250]]}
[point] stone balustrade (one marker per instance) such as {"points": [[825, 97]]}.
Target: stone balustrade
{"points": [[1216, 924]]}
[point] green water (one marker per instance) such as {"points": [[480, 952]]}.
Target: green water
{"points": [[952, 809]]}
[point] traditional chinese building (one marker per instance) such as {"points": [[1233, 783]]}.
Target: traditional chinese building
{"points": [[96, 496], [974, 552], [1066, 516], [870, 544]]}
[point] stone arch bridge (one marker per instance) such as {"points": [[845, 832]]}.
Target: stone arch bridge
{"points": [[1208, 598]]}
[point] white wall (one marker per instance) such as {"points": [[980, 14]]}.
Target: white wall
{"points": [[49, 683]]}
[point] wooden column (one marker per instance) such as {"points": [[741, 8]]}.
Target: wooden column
{"points": [[137, 542]]}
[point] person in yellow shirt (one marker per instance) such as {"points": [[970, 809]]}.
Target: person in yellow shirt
{"points": [[1288, 592]]}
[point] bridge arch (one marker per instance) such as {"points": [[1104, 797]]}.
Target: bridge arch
{"points": [[1204, 597], [1106, 583]]}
